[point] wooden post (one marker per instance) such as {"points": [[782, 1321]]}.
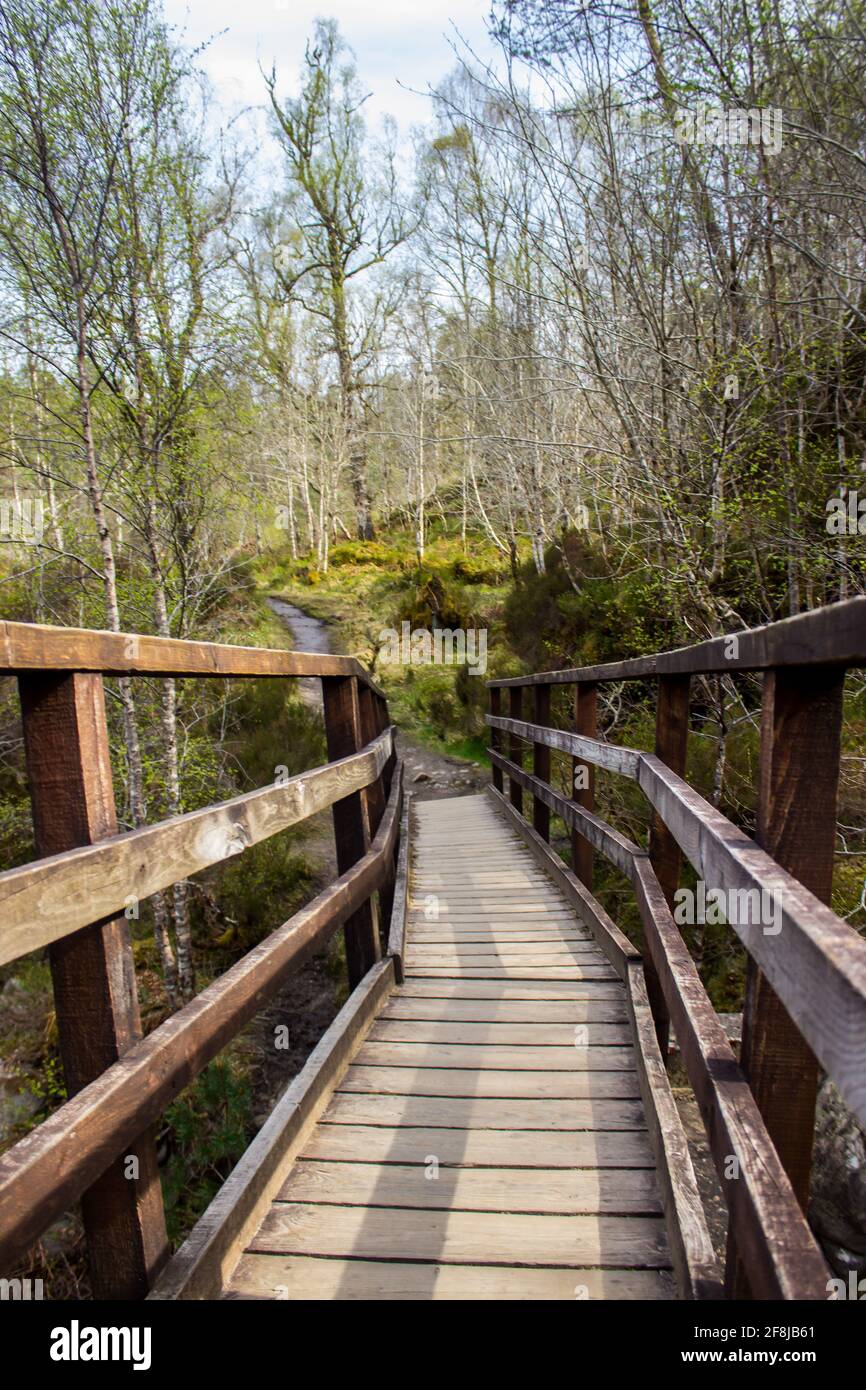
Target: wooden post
{"points": [[515, 746], [541, 762], [374, 795], [583, 777], [92, 970], [351, 819], [801, 719], [672, 741], [495, 734]]}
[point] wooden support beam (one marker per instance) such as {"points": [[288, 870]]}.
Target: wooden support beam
{"points": [[583, 777], [92, 971], [351, 820], [801, 719], [515, 746], [672, 737], [541, 762], [495, 738]]}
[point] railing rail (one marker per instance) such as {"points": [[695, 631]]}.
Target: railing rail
{"points": [[806, 975], [99, 1145]]}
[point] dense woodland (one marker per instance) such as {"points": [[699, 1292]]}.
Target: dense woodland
{"points": [[541, 367]]}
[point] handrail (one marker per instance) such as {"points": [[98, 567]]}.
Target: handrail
{"points": [[833, 635], [75, 900], [805, 997], [820, 976], [43, 1174], [50, 898], [32, 647]]}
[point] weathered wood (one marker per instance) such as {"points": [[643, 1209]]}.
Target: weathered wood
{"points": [[93, 972], [609, 756], [699, 1274], [800, 748], [495, 706], [397, 925], [44, 1173], [475, 1189], [515, 747], [783, 1258], [615, 945], [205, 1261], [464, 1237], [672, 737], [53, 897], [31, 647], [585, 723], [507, 1083], [540, 763], [351, 821], [832, 635], [298, 1278], [519, 1148]]}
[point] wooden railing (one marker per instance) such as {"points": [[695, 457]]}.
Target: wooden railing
{"points": [[99, 1146], [805, 1002]]}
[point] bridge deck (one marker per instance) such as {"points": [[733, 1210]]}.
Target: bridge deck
{"points": [[488, 1139]]}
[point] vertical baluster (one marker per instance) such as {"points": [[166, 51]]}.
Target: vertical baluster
{"points": [[351, 823], [495, 734], [92, 971], [515, 746], [541, 762], [801, 720], [583, 776], [672, 739]]}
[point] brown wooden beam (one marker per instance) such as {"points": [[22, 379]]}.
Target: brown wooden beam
{"points": [[541, 762], [801, 720], [495, 739], [515, 747], [583, 778], [351, 820], [672, 738], [92, 971]]}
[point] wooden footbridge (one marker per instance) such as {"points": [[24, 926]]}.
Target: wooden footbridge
{"points": [[490, 1115]]}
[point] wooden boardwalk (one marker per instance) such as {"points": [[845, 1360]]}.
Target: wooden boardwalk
{"points": [[488, 1139]]}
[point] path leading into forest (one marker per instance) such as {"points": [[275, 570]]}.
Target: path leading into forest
{"points": [[428, 774]]}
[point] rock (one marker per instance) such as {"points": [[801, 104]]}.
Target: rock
{"points": [[837, 1209], [422, 777]]}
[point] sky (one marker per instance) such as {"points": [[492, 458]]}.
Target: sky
{"points": [[401, 46]]}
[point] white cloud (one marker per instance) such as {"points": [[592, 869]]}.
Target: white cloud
{"points": [[402, 46]]}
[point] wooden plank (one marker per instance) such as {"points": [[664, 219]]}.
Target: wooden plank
{"points": [[507, 1010], [672, 737], [492, 1045], [505, 1084], [527, 1036], [299, 1277], [399, 910], [698, 1272], [515, 747], [480, 952], [513, 972], [800, 747], [495, 705], [615, 945], [586, 724], [540, 762], [45, 1172], [206, 1259], [479, 1113], [608, 986], [553, 1190], [55, 896], [606, 755], [464, 1237], [352, 830], [496, 1148], [93, 972], [31, 647]]}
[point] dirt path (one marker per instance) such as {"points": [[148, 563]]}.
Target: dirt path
{"points": [[428, 774]]}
